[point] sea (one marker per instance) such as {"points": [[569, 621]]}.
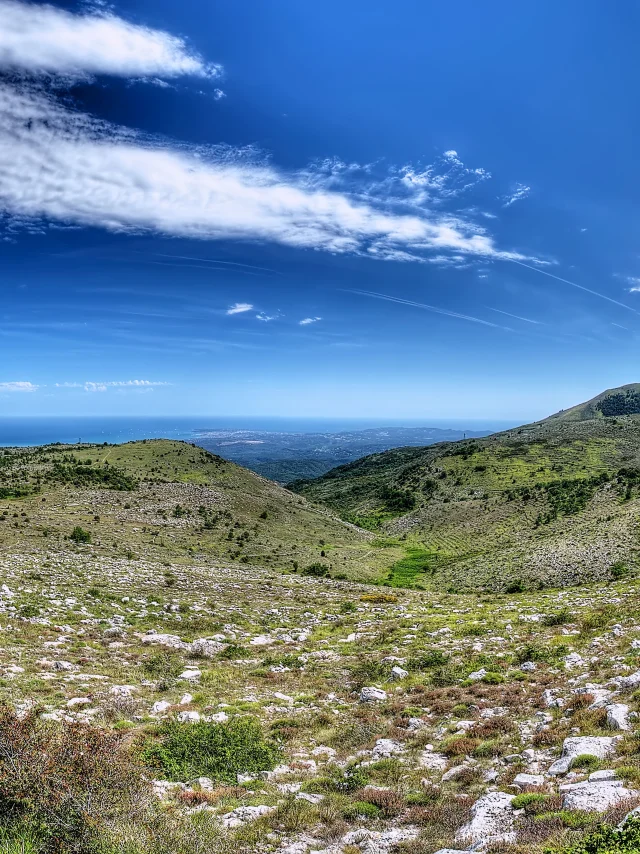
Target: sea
{"points": [[43, 430]]}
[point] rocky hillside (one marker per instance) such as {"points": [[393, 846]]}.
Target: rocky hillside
{"points": [[172, 501], [551, 503], [163, 695]]}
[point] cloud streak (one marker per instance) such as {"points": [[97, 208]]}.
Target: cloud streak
{"points": [[426, 307], [306, 321], [91, 386], [37, 39], [574, 285], [63, 166], [20, 386], [239, 308]]}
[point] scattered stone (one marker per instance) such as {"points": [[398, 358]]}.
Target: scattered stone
{"points": [[599, 746]]}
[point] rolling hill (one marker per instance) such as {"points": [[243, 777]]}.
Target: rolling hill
{"points": [[170, 501], [547, 504]]}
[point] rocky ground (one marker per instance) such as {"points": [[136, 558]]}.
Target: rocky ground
{"points": [[403, 721]]}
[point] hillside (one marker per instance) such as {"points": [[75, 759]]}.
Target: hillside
{"points": [[171, 501], [550, 503], [172, 684]]}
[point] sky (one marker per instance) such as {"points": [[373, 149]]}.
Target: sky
{"points": [[407, 210]]}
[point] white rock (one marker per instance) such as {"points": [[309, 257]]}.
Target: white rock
{"points": [[171, 641], [186, 699], [618, 716], [262, 640], [600, 746], [379, 842], [160, 706], [433, 761], [528, 666], [192, 674], [573, 660], [627, 683], [596, 796], [306, 796], [323, 750], [78, 701], [206, 648], [372, 695], [188, 717], [605, 774], [398, 673], [492, 820], [477, 675], [385, 747], [241, 815], [528, 780]]}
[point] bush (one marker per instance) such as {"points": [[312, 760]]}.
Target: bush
{"points": [[79, 535], [428, 658], [217, 750], [316, 570], [379, 598], [585, 762], [65, 787], [606, 840], [361, 809]]}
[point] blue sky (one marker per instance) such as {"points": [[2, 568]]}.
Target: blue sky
{"points": [[342, 209]]}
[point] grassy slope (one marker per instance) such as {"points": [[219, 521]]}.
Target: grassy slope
{"points": [[479, 504], [226, 513]]}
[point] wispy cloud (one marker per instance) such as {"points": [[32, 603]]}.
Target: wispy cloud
{"points": [[634, 281], [265, 318], [36, 39], [519, 191], [427, 307], [574, 285], [104, 385], [20, 386], [307, 320], [61, 165], [515, 316], [239, 308]]}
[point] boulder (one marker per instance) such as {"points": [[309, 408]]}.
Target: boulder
{"points": [[372, 695], [618, 716], [242, 815], [492, 820], [206, 648], [596, 796], [600, 746]]}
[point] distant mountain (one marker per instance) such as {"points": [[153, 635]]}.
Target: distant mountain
{"points": [[550, 503], [286, 456], [611, 403]]}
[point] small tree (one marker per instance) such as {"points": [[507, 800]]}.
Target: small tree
{"points": [[79, 535]]}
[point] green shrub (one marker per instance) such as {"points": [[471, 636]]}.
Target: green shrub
{"points": [[585, 762], [427, 658], [605, 840], [316, 570], [79, 535], [361, 809], [183, 751]]}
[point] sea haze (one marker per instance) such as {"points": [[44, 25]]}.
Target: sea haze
{"points": [[283, 449]]}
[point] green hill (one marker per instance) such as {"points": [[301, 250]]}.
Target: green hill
{"points": [[172, 502], [550, 503]]}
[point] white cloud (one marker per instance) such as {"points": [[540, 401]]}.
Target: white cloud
{"points": [[18, 386], [239, 308], [218, 94], [520, 191], [267, 317], [307, 320], [37, 39], [104, 385], [64, 166], [634, 281]]}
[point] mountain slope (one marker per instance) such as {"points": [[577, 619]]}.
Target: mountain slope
{"points": [[171, 501], [550, 503]]}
